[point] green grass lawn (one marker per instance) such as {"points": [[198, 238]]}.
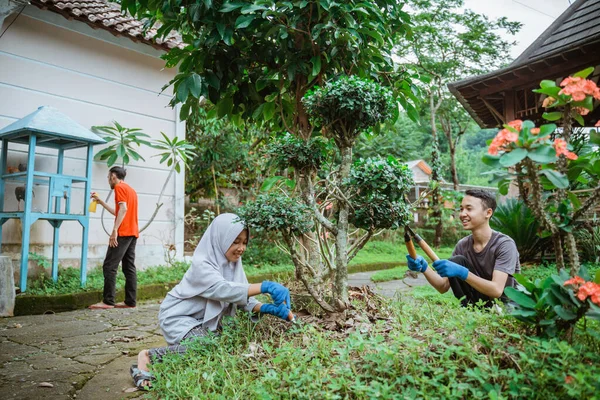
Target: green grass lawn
{"points": [[398, 272], [424, 346], [68, 278]]}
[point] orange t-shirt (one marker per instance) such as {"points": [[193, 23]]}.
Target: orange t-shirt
{"points": [[125, 194]]}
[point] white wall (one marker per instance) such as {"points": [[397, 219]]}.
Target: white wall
{"points": [[94, 78]]}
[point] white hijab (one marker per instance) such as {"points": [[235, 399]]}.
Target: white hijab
{"points": [[209, 264]]}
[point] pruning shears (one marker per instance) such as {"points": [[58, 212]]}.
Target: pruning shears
{"points": [[409, 235]]}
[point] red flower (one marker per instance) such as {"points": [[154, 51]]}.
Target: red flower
{"points": [[597, 123], [578, 88], [569, 379], [589, 289], [505, 137], [535, 131], [561, 148], [575, 281]]}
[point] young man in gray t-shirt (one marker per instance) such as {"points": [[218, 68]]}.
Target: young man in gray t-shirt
{"points": [[482, 264]]}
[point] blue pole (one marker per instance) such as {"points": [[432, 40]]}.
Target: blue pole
{"points": [[55, 243], [26, 219], [3, 161], [86, 210]]}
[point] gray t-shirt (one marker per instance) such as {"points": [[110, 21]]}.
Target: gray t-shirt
{"points": [[500, 254]]}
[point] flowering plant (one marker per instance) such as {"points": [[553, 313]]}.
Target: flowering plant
{"points": [[554, 306], [545, 166]]}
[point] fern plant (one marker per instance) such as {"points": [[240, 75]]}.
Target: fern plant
{"points": [[514, 219]]}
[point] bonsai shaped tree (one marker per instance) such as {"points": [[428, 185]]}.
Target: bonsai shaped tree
{"points": [[546, 167], [367, 194]]}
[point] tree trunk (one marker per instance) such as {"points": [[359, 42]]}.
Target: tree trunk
{"points": [[435, 174], [341, 242], [573, 255], [313, 280], [455, 181], [214, 176]]}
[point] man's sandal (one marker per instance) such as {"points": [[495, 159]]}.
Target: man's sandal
{"points": [[139, 377]]}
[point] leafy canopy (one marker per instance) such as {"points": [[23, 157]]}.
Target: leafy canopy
{"points": [[256, 59]]}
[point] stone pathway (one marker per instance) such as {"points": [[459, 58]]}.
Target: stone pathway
{"points": [[86, 354]]}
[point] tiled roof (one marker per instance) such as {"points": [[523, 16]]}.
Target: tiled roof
{"points": [[102, 14], [579, 23]]}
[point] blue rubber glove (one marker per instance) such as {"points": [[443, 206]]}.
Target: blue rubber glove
{"points": [[418, 265], [449, 269], [278, 292], [280, 311]]}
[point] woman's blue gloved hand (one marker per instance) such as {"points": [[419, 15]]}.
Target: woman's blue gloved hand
{"points": [[281, 311], [418, 265], [278, 292], [449, 269]]}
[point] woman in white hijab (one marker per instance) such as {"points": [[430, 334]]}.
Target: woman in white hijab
{"points": [[214, 286]]}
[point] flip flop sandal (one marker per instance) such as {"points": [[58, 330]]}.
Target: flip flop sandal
{"points": [[140, 376]]}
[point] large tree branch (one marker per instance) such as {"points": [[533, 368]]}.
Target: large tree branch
{"points": [[587, 204], [360, 243]]}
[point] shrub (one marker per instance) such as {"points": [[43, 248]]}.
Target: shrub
{"points": [[513, 218], [588, 243], [555, 305]]}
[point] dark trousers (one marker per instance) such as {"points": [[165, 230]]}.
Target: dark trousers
{"points": [[157, 354], [462, 290], [124, 253]]}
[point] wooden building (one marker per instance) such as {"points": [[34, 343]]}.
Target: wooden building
{"points": [[570, 44]]}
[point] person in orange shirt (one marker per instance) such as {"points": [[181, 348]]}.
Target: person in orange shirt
{"points": [[122, 241]]}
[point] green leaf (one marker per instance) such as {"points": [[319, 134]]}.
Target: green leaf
{"points": [[225, 106], [270, 182], [559, 180], [243, 21], [552, 116], [578, 118], [522, 279], [546, 129], [547, 83], [595, 137], [564, 313], [268, 111], [492, 161], [316, 62], [111, 160], [511, 158], [195, 85], [231, 6], [182, 91], [597, 278], [523, 313], [543, 154], [584, 73], [290, 183], [520, 298]]}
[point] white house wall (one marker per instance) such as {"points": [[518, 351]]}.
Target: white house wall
{"points": [[95, 79]]}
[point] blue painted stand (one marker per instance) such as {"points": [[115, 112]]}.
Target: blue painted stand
{"points": [[46, 127]]}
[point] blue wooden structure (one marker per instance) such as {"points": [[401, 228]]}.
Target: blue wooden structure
{"points": [[47, 127]]}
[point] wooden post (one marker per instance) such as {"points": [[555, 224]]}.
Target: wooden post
{"points": [[86, 211], [7, 287], [3, 161], [56, 224], [27, 220]]}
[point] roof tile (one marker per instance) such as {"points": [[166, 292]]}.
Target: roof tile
{"points": [[108, 16]]}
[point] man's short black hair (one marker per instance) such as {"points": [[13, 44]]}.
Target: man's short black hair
{"points": [[488, 199], [119, 172]]}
